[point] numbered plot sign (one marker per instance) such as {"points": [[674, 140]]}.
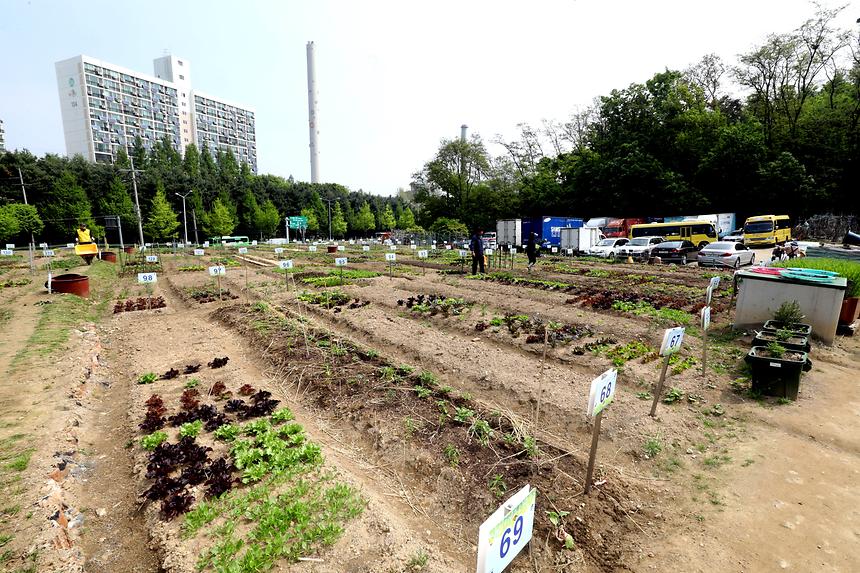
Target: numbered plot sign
{"points": [[706, 317], [448, 247], [393, 247], [463, 253], [43, 245], [243, 250], [12, 245], [199, 252], [151, 258], [390, 257], [205, 244], [312, 249], [340, 262], [147, 278], [570, 251], [217, 271], [413, 247], [147, 244], [712, 286], [365, 248], [352, 241], [715, 282], [70, 245], [672, 339], [554, 250], [254, 243], [433, 247], [341, 248], [422, 254], [602, 392], [279, 250], [489, 252], [7, 252], [285, 264], [180, 245], [506, 532], [48, 253], [513, 250]]}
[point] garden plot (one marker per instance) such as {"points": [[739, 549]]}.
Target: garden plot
{"points": [[455, 452]]}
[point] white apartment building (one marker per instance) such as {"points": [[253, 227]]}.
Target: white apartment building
{"points": [[2, 137], [105, 107]]}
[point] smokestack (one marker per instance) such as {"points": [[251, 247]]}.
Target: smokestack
{"points": [[463, 129], [313, 121]]}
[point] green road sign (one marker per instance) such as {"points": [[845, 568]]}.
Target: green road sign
{"points": [[298, 222]]}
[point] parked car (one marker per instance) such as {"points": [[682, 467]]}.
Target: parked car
{"points": [[726, 254], [489, 240], [682, 252], [606, 248], [736, 236], [639, 248]]}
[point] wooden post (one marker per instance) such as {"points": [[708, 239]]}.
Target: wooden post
{"points": [[218, 278], [659, 390], [591, 456]]}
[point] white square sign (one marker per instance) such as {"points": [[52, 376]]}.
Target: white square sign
{"points": [[48, 253], [422, 254], [554, 250], [505, 533], [312, 249], [147, 278], [199, 252], [706, 317], [279, 250], [365, 248], [254, 243], [352, 241], [672, 339], [513, 250], [448, 247], [602, 391], [393, 247], [205, 244], [390, 257], [488, 252], [243, 250], [43, 245], [151, 258], [12, 245], [464, 253], [341, 248], [340, 262], [7, 252], [70, 245], [285, 264], [413, 247], [217, 271]]}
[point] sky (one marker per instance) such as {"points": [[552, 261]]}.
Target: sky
{"points": [[394, 78]]}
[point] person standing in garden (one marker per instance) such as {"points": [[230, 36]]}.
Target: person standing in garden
{"points": [[476, 245], [84, 235], [531, 251]]}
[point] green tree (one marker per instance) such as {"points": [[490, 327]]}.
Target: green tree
{"points": [[161, 223], [338, 222], [9, 226], [268, 219], [117, 201], [313, 223], [448, 228], [66, 206], [406, 220], [364, 221], [220, 220], [386, 218], [27, 217]]}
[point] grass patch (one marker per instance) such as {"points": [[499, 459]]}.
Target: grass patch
{"points": [[68, 311], [664, 315], [630, 351]]}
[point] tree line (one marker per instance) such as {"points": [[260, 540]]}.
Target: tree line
{"points": [[222, 195], [678, 144]]}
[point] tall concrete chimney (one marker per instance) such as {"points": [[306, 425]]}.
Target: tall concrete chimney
{"points": [[463, 129], [313, 117]]}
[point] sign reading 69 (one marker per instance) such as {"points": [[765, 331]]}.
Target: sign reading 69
{"points": [[505, 533]]}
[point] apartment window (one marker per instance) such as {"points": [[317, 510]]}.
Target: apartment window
{"points": [[181, 77], [179, 62]]}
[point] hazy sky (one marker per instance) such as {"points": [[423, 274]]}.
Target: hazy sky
{"points": [[394, 77]]}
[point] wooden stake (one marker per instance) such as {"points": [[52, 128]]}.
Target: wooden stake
{"points": [[218, 278], [659, 390], [591, 456]]}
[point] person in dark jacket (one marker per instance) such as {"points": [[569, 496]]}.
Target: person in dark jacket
{"points": [[476, 245], [531, 250]]}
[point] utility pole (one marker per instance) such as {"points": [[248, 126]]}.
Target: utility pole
{"points": [[184, 216], [194, 216], [136, 202], [329, 216], [31, 248]]}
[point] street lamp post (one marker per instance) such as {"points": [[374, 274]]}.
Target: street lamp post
{"points": [[184, 216]]}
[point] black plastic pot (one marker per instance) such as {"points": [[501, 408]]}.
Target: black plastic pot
{"points": [[776, 376], [765, 337], [798, 328]]}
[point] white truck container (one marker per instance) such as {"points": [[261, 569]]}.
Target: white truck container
{"points": [[580, 239], [724, 223], [509, 232], [598, 222]]}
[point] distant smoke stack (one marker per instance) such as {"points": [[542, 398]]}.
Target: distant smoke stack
{"points": [[313, 121], [463, 129]]}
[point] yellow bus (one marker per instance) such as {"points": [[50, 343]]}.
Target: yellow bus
{"points": [[767, 230], [699, 233]]}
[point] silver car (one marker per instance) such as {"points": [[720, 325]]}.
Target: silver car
{"points": [[639, 248], [726, 254]]}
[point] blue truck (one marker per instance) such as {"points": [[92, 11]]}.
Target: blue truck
{"points": [[549, 228]]}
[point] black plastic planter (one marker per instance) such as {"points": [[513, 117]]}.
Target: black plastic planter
{"points": [[796, 327], [776, 376], [796, 342]]}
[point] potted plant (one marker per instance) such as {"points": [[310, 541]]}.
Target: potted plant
{"points": [[788, 317], [784, 337], [776, 370]]}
